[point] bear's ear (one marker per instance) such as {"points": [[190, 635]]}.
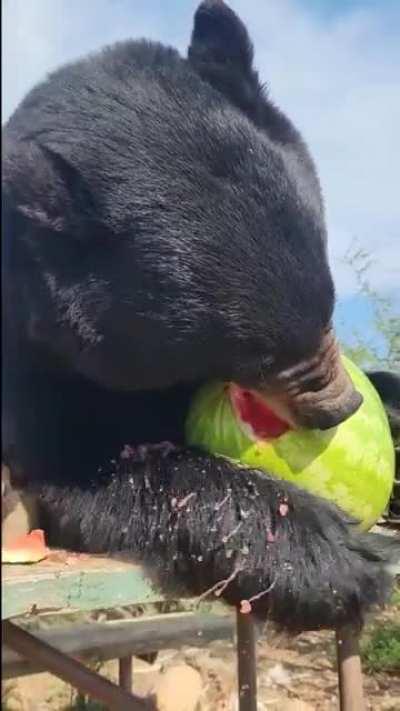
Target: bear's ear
{"points": [[220, 39]]}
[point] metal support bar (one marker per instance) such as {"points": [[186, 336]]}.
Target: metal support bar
{"points": [[247, 670], [116, 639], [125, 673], [349, 670], [71, 671]]}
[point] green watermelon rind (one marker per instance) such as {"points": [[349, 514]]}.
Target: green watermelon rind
{"points": [[351, 465]]}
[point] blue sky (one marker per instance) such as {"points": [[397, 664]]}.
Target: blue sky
{"points": [[331, 8], [333, 65]]}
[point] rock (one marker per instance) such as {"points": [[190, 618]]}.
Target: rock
{"points": [[179, 688], [392, 704], [279, 675], [296, 705]]}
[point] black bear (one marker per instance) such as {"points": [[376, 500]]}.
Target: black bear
{"points": [[388, 387], [163, 226]]}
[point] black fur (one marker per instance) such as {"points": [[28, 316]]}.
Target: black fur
{"points": [[163, 226], [154, 217], [388, 387], [196, 520]]}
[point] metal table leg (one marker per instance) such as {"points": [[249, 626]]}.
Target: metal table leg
{"points": [[349, 670], [125, 673], [247, 671]]}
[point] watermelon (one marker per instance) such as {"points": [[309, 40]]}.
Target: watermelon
{"points": [[27, 548], [352, 464]]}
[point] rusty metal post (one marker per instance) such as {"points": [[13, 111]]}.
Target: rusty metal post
{"points": [[247, 668], [125, 673], [72, 671], [349, 670]]}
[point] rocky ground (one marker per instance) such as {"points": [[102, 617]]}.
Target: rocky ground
{"points": [[293, 675]]}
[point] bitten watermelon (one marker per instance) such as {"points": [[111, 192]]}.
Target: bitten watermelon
{"points": [[351, 465]]}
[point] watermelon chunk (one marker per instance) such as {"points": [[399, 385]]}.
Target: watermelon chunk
{"points": [[29, 548]]}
